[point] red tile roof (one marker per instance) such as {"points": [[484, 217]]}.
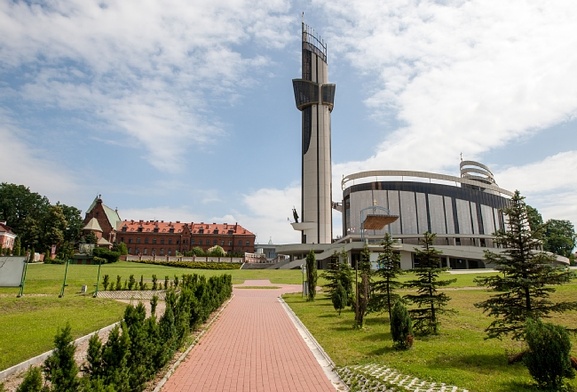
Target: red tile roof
{"points": [[179, 227]]}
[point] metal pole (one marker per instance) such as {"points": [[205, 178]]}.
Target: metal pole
{"points": [[64, 282], [23, 278], [97, 280]]}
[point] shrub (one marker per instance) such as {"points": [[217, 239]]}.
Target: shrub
{"points": [[106, 281], [401, 327], [60, 367], [32, 381], [339, 298], [548, 359], [109, 255]]}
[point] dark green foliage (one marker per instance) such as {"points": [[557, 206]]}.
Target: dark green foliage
{"points": [[389, 267], [131, 282], [110, 255], [154, 282], [115, 355], [32, 381], [548, 359], [166, 280], [118, 282], [311, 275], [430, 302], [153, 304], [106, 281], [212, 265], [363, 288], [60, 368], [527, 276], [339, 297], [560, 237], [93, 367], [135, 352], [339, 272], [401, 327], [121, 248]]}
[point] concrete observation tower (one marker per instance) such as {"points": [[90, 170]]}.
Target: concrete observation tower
{"points": [[315, 98]]}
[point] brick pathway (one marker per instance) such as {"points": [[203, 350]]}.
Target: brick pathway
{"points": [[253, 346]]}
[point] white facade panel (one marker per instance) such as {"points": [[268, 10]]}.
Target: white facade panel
{"points": [[408, 213], [450, 215], [488, 218], [437, 214], [464, 216], [422, 219]]}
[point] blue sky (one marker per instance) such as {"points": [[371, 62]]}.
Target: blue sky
{"points": [[184, 110]]}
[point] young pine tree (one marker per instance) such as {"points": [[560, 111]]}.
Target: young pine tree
{"points": [[430, 302], [60, 367], [526, 280], [339, 298], [339, 272], [389, 267], [401, 327]]}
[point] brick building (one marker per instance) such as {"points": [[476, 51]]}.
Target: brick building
{"points": [[106, 217], [160, 238], [7, 237]]}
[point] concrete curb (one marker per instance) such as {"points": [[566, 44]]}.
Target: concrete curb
{"points": [[320, 355], [23, 366]]}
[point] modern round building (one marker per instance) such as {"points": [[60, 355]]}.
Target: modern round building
{"points": [[464, 212]]}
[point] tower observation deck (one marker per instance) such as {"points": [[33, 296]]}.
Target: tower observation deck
{"points": [[314, 97]]}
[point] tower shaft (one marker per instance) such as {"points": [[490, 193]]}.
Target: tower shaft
{"points": [[314, 97]]}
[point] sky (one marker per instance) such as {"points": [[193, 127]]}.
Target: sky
{"points": [[184, 110]]}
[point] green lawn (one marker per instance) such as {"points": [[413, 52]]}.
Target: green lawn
{"points": [[459, 355], [29, 323]]}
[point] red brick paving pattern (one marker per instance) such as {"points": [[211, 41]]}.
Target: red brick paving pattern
{"points": [[252, 347]]}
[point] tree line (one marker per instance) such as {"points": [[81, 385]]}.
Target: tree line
{"points": [[38, 224]]}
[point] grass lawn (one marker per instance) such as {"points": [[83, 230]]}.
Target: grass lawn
{"points": [[459, 355], [29, 323]]}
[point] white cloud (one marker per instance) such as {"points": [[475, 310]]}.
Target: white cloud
{"points": [[459, 76], [20, 160], [155, 71]]}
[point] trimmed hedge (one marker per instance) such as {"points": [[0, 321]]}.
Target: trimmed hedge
{"points": [[193, 264]]}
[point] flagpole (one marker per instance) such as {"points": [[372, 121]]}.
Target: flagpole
{"points": [[64, 283]]}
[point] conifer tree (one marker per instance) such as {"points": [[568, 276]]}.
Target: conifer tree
{"points": [[430, 302], [311, 275], [363, 287], [526, 279], [339, 272], [389, 267], [60, 367]]}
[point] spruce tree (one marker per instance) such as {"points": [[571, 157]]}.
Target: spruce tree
{"points": [[430, 302], [339, 272], [526, 277], [389, 267]]}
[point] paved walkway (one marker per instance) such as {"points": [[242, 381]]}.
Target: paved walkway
{"points": [[254, 346]]}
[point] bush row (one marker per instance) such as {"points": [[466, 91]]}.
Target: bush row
{"points": [[137, 349], [217, 265]]}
